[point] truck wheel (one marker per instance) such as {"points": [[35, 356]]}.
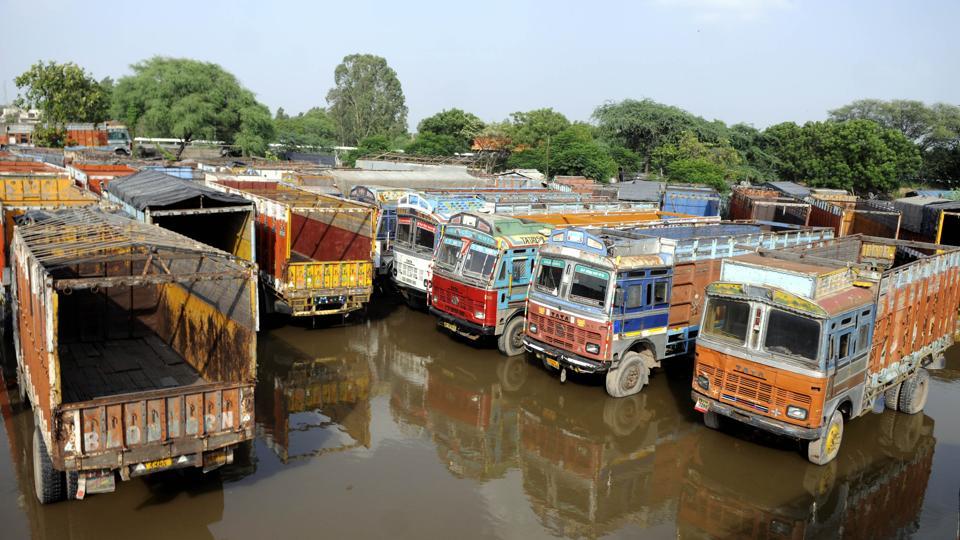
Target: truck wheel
{"points": [[913, 394], [891, 398], [711, 419], [73, 483], [510, 341], [47, 481], [629, 377], [823, 450]]}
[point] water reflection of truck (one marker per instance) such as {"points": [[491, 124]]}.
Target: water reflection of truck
{"points": [[586, 478], [875, 490], [312, 406], [619, 302], [113, 325], [797, 342]]}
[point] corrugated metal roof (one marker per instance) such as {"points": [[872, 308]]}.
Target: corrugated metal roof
{"points": [[640, 190], [790, 188], [152, 189]]}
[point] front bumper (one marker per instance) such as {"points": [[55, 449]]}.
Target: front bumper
{"points": [[777, 427], [568, 360], [460, 326]]}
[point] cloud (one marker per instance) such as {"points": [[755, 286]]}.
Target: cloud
{"points": [[726, 9]]}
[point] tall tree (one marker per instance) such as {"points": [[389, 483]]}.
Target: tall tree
{"points": [[188, 99], [915, 120], [366, 99], [644, 125], [573, 151], [462, 126], [63, 93], [534, 128]]}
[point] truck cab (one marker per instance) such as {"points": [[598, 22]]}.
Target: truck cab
{"points": [[481, 271], [385, 199]]}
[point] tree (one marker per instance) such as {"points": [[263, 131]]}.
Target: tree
{"points": [[313, 128], [642, 126], [366, 99], [188, 99], [63, 93], [462, 126], [434, 144], [692, 160], [857, 155], [573, 151], [912, 118], [375, 144], [533, 128]]}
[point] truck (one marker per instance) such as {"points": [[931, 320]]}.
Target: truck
{"points": [[110, 136], [315, 251], [221, 220], [930, 219], [95, 177], [761, 204], [385, 199], [798, 342], [135, 347], [482, 267], [846, 217], [617, 302]]}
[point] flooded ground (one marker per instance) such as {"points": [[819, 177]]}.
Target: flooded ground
{"points": [[391, 428]]}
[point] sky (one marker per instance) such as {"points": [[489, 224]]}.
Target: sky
{"points": [[755, 61]]}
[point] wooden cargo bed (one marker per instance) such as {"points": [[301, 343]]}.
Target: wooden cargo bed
{"points": [[98, 369]]}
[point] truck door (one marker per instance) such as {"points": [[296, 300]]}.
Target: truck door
{"points": [[646, 304], [516, 270]]}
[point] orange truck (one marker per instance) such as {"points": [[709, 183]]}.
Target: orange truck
{"points": [[799, 341], [136, 348]]}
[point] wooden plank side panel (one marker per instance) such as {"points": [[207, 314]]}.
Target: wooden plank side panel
{"points": [[687, 295]]}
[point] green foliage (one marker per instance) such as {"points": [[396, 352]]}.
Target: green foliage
{"points": [[434, 144], [187, 99], [627, 160], [313, 128], [643, 126], [372, 145], [366, 99], [692, 160], [858, 155], [533, 128], [461, 126], [63, 93], [573, 151], [699, 171]]}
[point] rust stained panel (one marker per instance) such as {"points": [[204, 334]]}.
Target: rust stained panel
{"points": [[687, 296], [231, 410], [93, 424], [193, 413], [175, 418], [134, 424], [114, 417], [211, 412], [156, 421]]}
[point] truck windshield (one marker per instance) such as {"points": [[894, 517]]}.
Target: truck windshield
{"points": [[424, 238], [550, 275], [727, 319], [403, 233], [589, 285], [792, 335], [480, 261], [449, 252]]}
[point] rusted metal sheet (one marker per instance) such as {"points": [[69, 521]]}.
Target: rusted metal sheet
{"points": [[768, 205]]}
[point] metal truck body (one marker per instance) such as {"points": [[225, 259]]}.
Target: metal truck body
{"points": [[113, 137], [796, 342], [114, 322], [601, 297], [95, 177], [315, 251], [768, 205], [847, 217]]}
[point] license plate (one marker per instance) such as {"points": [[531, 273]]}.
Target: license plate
{"points": [[702, 405], [158, 464], [449, 326], [553, 363]]}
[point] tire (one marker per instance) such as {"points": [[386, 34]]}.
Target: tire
{"points": [[47, 481], [914, 392], [73, 482], [891, 398], [629, 377], [823, 450], [711, 419], [624, 416], [510, 341]]}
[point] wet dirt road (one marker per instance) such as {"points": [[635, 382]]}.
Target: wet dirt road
{"points": [[391, 428]]}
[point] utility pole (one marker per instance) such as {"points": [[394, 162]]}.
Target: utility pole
{"points": [[548, 158]]}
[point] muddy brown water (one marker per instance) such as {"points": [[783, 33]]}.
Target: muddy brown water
{"points": [[390, 428]]}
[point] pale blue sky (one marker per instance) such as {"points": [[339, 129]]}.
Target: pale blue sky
{"points": [[756, 61]]}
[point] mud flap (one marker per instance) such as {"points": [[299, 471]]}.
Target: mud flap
{"points": [[216, 459], [95, 482]]}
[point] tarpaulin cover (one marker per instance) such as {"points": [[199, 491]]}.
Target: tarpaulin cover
{"points": [[155, 190]]}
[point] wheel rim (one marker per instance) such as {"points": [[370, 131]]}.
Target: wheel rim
{"points": [[517, 339], [630, 378], [833, 439]]}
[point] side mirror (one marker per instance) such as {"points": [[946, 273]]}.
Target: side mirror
{"points": [[618, 297]]}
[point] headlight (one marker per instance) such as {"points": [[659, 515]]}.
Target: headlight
{"points": [[592, 348], [532, 328], [703, 382], [479, 314], [797, 413]]}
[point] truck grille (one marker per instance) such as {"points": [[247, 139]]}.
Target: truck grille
{"points": [[752, 392], [462, 307], [411, 275], [562, 335]]}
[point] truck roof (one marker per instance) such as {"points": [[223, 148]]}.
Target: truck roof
{"points": [[691, 232], [517, 231]]}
